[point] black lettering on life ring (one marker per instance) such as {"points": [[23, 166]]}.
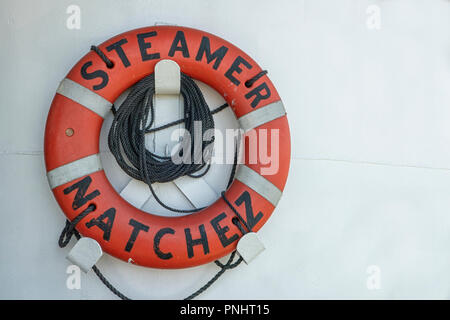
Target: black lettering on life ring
{"points": [[235, 68], [190, 243], [81, 198], [252, 220], [157, 241], [221, 231], [179, 38], [117, 46], [205, 50], [93, 75], [99, 222], [257, 93], [143, 46], [137, 227]]}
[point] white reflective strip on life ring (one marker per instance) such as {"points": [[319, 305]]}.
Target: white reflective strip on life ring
{"points": [[258, 183], [85, 97], [262, 115], [74, 170]]}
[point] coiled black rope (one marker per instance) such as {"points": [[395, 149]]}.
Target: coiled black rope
{"points": [[135, 118], [126, 140]]}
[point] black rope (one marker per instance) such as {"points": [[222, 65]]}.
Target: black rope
{"points": [[108, 284], [223, 267], [106, 60], [135, 118], [126, 140], [69, 231], [229, 264], [249, 83]]}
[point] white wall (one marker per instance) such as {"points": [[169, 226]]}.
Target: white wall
{"points": [[370, 120]]}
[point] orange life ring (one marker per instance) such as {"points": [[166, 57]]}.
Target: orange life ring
{"points": [[75, 172]]}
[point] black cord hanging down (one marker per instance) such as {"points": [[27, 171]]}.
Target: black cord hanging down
{"points": [[69, 231], [126, 140]]}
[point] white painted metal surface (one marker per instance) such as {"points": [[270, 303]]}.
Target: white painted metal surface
{"points": [[365, 86]]}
